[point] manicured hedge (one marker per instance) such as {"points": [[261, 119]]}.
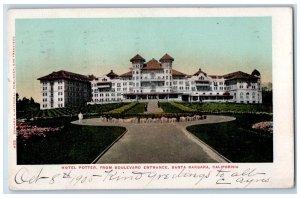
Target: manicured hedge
{"points": [[173, 107], [124, 108], [138, 108], [230, 107]]}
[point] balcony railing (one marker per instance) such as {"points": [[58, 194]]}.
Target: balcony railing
{"points": [[152, 79]]}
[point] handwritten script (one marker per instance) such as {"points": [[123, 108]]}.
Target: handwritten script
{"points": [[244, 178]]}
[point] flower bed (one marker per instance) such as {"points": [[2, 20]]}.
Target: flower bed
{"points": [[264, 126], [26, 131]]}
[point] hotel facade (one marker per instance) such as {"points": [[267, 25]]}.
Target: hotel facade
{"points": [[152, 80], [157, 80]]}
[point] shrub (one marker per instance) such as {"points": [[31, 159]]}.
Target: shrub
{"points": [[124, 108]]}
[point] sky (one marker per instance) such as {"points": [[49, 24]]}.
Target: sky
{"points": [[217, 45]]}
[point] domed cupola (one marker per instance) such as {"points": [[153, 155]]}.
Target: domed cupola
{"points": [[255, 73]]}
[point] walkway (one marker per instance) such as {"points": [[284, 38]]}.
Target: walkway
{"points": [[153, 108], [159, 143]]}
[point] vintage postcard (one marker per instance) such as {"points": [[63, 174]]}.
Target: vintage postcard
{"points": [[151, 98]]}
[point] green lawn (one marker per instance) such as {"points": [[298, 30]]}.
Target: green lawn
{"points": [[169, 108], [229, 107], [73, 145], [69, 111], [138, 108], [236, 140]]}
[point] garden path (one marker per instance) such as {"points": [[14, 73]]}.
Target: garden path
{"points": [[159, 143], [153, 107]]}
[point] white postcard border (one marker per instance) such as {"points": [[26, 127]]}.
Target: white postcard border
{"points": [[281, 171]]}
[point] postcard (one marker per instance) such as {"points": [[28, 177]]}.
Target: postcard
{"points": [[151, 98]]}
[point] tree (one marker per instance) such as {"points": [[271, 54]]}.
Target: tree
{"points": [[26, 107]]}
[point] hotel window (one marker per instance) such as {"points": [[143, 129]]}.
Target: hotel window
{"points": [[124, 83], [247, 95], [167, 83], [180, 82], [118, 84], [242, 95], [118, 89], [124, 89], [253, 95]]}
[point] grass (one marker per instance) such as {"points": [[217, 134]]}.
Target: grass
{"points": [[236, 140], [138, 108], [124, 108], [229, 107], [73, 145], [69, 111], [169, 108]]}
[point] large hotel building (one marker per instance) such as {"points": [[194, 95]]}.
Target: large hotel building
{"points": [[152, 80]]}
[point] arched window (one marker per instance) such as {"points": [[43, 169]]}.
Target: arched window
{"points": [[253, 95], [241, 95], [247, 95]]}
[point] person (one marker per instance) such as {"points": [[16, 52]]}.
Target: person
{"points": [[158, 105], [80, 117]]}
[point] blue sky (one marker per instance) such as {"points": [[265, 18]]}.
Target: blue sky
{"points": [[95, 46]]}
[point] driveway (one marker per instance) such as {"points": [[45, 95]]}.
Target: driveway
{"points": [[159, 143]]}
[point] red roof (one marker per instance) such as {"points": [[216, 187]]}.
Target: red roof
{"points": [[215, 76], [199, 72], [127, 74], [177, 73], [166, 57], [238, 75], [152, 65], [112, 75], [65, 75], [137, 58]]}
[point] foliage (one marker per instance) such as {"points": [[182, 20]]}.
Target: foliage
{"points": [[72, 111], [173, 107], [236, 140], [124, 108], [229, 107], [168, 108], [182, 107], [138, 108], [74, 144], [267, 96], [26, 106]]}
